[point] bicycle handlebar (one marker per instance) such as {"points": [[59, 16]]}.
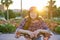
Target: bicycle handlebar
{"points": [[41, 32]]}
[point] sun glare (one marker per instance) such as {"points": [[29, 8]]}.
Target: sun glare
{"points": [[38, 3]]}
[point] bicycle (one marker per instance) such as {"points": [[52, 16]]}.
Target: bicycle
{"points": [[44, 33]]}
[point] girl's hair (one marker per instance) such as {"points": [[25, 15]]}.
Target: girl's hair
{"points": [[32, 9]]}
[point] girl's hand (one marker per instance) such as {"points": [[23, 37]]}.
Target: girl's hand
{"points": [[26, 32], [17, 35], [46, 38], [31, 34], [36, 33]]}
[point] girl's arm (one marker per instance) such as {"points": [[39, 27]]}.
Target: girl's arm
{"points": [[20, 29]]}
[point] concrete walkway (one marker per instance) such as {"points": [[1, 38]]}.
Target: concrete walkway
{"points": [[12, 37]]}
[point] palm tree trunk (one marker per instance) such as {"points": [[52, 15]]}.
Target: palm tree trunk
{"points": [[21, 8], [7, 14]]}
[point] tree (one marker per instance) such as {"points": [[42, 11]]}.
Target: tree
{"points": [[6, 3], [58, 11], [51, 8], [1, 14], [54, 14], [18, 14], [11, 14], [24, 13]]}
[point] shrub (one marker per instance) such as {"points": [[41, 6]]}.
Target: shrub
{"points": [[57, 29], [57, 20], [7, 28], [51, 24]]}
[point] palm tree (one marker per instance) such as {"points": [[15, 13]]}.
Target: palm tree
{"points": [[21, 8], [6, 3], [50, 8]]}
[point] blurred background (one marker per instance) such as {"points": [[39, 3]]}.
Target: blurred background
{"points": [[13, 11]]}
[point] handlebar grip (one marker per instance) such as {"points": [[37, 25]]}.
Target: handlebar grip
{"points": [[45, 34], [18, 34]]}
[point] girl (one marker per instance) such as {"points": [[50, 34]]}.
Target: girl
{"points": [[32, 24]]}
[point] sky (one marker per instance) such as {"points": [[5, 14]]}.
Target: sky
{"points": [[26, 4]]}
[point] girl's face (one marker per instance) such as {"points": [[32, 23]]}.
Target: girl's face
{"points": [[33, 15]]}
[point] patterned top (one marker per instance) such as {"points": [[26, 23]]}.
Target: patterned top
{"points": [[34, 25]]}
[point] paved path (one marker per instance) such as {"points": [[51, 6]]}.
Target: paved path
{"points": [[12, 37]]}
